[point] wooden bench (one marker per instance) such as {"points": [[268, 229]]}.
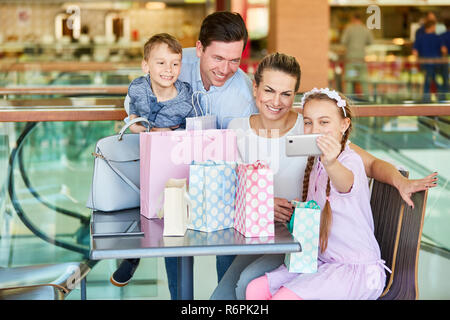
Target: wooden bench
{"points": [[398, 230]]}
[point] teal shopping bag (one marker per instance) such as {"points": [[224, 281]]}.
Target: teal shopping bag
{"points": [[212, 191], [305, 227]]}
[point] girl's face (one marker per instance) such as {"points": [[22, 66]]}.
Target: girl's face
{"points": [[324, 116], [275, 94]]}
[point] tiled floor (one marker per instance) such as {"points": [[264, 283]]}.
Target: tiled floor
{"points": [[150, 281]]}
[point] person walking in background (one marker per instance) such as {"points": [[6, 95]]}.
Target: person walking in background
{"points": [[446, 41], [429, 48], [355, 38]]}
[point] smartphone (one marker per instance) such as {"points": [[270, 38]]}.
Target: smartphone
{"points": [[302, 145]]}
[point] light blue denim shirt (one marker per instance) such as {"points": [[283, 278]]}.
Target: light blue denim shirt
{"points": [[232, 100], [161, 114]]}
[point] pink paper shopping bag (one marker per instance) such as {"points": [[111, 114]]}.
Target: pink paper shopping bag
{"points": [[168, 154], [254, 200]]}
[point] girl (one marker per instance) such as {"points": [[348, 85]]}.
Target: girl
{"points": [[262, 136], [350, 265]]}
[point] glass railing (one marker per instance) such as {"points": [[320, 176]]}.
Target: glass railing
{"points": [[420, 145], [45, 219], [392, 79], [72, 73]]}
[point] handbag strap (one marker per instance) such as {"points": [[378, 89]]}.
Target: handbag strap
{"points": [[118, 172], [130, 123]]}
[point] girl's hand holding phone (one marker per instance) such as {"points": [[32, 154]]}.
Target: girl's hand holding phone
{"points": [[330, 147]]}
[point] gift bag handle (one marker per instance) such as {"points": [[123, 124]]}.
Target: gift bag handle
{"points": [[259, 164], [208, 103], [130, 123]]}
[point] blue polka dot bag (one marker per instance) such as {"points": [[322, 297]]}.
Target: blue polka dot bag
{"points": [[212, 192], [305, 227]]}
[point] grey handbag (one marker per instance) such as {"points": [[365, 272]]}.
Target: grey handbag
{"points": [[115, 181]]}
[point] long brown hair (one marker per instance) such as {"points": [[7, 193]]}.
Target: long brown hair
{"points": [[326, 216]]}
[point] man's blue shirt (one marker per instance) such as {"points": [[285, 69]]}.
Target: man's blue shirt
{"points": [[446, 39], [428, 45]]}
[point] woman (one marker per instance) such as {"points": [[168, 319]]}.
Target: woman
{"points": [[262, 137]]}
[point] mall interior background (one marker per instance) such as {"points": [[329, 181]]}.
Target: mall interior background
{"points": [[49, 48]]}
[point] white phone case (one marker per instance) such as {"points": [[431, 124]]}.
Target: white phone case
{"points": [[302, 145]]}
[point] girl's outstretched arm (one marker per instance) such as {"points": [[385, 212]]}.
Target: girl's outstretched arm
{"points": [[341, 177], [384, 171]]}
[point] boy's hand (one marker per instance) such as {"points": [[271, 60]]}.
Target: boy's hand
{"points": [[160, 129], [136, 128], [165, 129]]}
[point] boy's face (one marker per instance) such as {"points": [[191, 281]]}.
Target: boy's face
{"points": [[163, 65], [219, 61]]}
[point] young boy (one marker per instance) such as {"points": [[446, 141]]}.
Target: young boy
{"points": [[160, 96], [163, 100]]}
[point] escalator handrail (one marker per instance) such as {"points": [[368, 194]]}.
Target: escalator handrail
{"points": [[18, 208], [26, 180]]}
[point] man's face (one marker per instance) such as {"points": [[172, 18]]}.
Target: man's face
{"points": [[219, 61]]}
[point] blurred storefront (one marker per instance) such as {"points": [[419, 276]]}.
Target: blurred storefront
{"points": [[108, 36]]}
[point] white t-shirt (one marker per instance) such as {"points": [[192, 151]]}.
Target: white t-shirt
{"points": [[288, 171]]}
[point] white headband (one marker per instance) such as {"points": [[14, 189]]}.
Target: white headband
{"points": [[330, 93]]}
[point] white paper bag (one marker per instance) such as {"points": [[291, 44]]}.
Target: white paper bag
{"points": [[204, 121], [175, 210]]}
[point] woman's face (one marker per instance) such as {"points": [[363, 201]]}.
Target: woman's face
{"points": [[275, 94]]}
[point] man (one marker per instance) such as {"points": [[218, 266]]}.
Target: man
{"points": [[212, 67], [356, 37], [444, 67], [429, 46]]}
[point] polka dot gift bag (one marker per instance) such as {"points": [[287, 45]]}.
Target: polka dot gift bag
{"points": [[212, 192], [305, 227], [254, 200]]}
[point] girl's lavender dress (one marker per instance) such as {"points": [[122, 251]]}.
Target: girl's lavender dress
{"points": [[351, 266]]}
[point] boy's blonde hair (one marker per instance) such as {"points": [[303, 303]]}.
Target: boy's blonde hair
{"points": [[159, 38]]}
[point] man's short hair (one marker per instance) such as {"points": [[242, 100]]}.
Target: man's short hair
{"points": [[223, 26], [159, 38]]}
